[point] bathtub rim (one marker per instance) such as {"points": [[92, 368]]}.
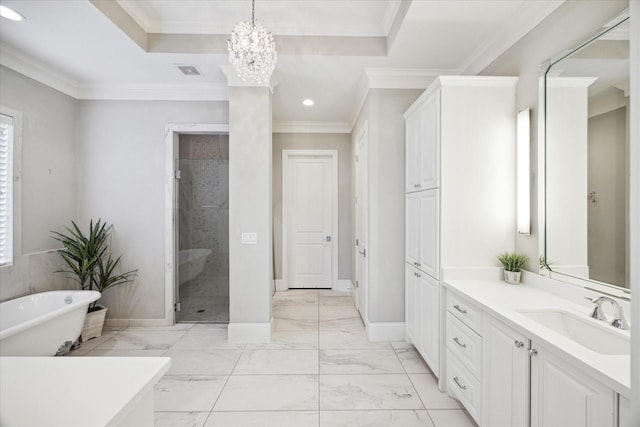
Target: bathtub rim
{"points": [[88, 298]]}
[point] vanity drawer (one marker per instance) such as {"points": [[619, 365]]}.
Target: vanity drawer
{"points": [[465, 344], [462, 385], [467, 312]]}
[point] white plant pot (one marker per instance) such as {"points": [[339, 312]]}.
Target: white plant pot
{"points": [[93, 324], [512, 277]]}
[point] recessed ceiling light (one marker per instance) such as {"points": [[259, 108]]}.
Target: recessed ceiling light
{"points": [[308, 102], [11, 14]]}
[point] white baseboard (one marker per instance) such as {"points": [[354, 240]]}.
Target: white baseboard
{"points": [[344, 285], [386, 331], [124, 323], [250, 332], [280, 286]]}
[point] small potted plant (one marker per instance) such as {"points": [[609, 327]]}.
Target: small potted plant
{"points": [[512, 263], [89, 261]]}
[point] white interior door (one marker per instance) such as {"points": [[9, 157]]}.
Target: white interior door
{"points": [[309, 223], [361, 224]]}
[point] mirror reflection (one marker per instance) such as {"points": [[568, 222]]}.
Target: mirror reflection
{"points": [[587, 160]]}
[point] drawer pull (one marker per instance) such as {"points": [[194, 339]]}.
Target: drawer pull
{"points": [[461, 310], [457, 381], [457, 341], [519, 344]]}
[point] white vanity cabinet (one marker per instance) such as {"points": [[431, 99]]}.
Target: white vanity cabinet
{"points": [[464, 353], [422, 314], [422, 130], [506, 376], [423, 244], [458, 201], [564, 396]]}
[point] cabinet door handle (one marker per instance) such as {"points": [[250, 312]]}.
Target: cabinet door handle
{"points": [[461, 310], [533, 352], [519, 344], [457, 381], [457, 341]]}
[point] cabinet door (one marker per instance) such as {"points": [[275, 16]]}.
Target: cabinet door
{"points": [[413, 326], [429, 241], [429, 170], [412, 224], [505, 378], [413, 130], [564, 397], [430, 321], [624, 412]]}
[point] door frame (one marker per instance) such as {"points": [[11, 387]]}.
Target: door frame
{"points": [[172, 135], [362, 173], [287, 157]]}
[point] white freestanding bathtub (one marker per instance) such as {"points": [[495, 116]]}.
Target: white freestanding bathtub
{"points": [[191, 263], [38, 324]]}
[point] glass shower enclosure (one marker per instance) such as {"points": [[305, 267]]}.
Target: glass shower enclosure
{"points": [[202, 288]]}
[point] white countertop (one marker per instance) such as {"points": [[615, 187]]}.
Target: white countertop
{"points": [[74, 391], [503, 301]]}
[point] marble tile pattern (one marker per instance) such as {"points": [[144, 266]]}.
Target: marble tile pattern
{"points": [[203, 199], [319, 370]]}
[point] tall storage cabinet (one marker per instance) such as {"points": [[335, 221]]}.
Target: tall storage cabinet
{"points": [[460, 192]]}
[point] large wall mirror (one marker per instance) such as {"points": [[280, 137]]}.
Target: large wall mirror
{"points": [[586, 160]]}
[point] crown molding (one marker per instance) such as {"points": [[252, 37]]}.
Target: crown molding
{"points": [[311, 127], [527, 17], [402, 78], [37, 71], [156, 92], [393, 78], [42, 73]]}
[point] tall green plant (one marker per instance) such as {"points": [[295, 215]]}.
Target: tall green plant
{"points": [[88, 258], [512, 261], [81, 253]]}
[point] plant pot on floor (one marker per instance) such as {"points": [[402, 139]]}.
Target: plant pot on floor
{"points": [[94, 323], [512, 277]]}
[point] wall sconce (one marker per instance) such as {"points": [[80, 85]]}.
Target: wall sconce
{"points": [[523, 181]]}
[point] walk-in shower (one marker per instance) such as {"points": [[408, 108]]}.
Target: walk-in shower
{"points": [[203, 229]]}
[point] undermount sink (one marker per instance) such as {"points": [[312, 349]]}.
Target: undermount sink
{"points": [[590, 333]]}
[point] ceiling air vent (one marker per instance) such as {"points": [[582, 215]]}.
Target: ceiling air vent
{"points": [[189, 70]]}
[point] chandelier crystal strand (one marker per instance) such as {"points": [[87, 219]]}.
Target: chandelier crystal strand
{"points": [[252, 51]]}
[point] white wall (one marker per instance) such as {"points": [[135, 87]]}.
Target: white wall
{"points": [[122, 171], [250, 211], [570, 24], [383, 109], [309, 141], [49, 183]]}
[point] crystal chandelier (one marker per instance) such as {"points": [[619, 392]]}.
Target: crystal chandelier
{"points": [[252, 50]]}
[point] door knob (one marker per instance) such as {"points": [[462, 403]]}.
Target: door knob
{"points": [[328, 238]]}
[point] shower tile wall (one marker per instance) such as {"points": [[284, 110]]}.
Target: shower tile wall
{"points": [[204, 223]]}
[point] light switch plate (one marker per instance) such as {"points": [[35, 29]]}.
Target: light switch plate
{"points": [[249, 238]]}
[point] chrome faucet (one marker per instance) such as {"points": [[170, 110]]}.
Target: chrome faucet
{"points": [[619, 320]]}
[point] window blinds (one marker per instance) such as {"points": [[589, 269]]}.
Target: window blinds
{"points": [[6, 190]]}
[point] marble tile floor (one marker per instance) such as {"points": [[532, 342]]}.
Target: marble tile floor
{"points": [[319, 370]]}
